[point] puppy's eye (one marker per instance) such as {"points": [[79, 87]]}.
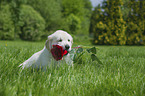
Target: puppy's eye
{"points": [[68, 40], [60, 40]]}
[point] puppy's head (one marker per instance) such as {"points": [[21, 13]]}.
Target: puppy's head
{"points": [[61, 38]]}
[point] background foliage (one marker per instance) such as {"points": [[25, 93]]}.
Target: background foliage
{"points": [[34, 19], [31, 24], [136, 23], [50, 11], [113, 22], [6, 24], [119, 22]]}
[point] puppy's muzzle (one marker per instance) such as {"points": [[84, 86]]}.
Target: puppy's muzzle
{"points": [[67, 47]]}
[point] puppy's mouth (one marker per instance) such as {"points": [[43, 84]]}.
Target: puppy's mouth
{"points": [[58, 52]]}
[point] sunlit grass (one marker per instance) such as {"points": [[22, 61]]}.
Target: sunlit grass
{"points": [[122, 73]]}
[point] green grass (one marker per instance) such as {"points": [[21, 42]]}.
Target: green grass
{"points": [[122, 73]]}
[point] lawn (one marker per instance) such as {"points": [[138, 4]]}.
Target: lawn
{"points": [[122, 72]]}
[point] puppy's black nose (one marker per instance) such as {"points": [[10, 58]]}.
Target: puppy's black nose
{"points": [[67, 47]]}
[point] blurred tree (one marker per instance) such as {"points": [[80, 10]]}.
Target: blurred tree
{"points": [[115, 18], [15, 11], [6, 23], [50, 11], [141, 21], [136, 23], [31, 24], [81, 9], [111, 28], [73, 6], [125, 9], [87, 17], [97, 16], [73, 24]]}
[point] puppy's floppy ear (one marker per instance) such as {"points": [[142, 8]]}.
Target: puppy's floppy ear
{"points": [[49, 42]]}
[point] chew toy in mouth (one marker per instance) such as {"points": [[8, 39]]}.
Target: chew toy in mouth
{"points": [[58, 52]]}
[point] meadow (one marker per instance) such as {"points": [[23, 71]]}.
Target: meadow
{"points": [[122, 72]]}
